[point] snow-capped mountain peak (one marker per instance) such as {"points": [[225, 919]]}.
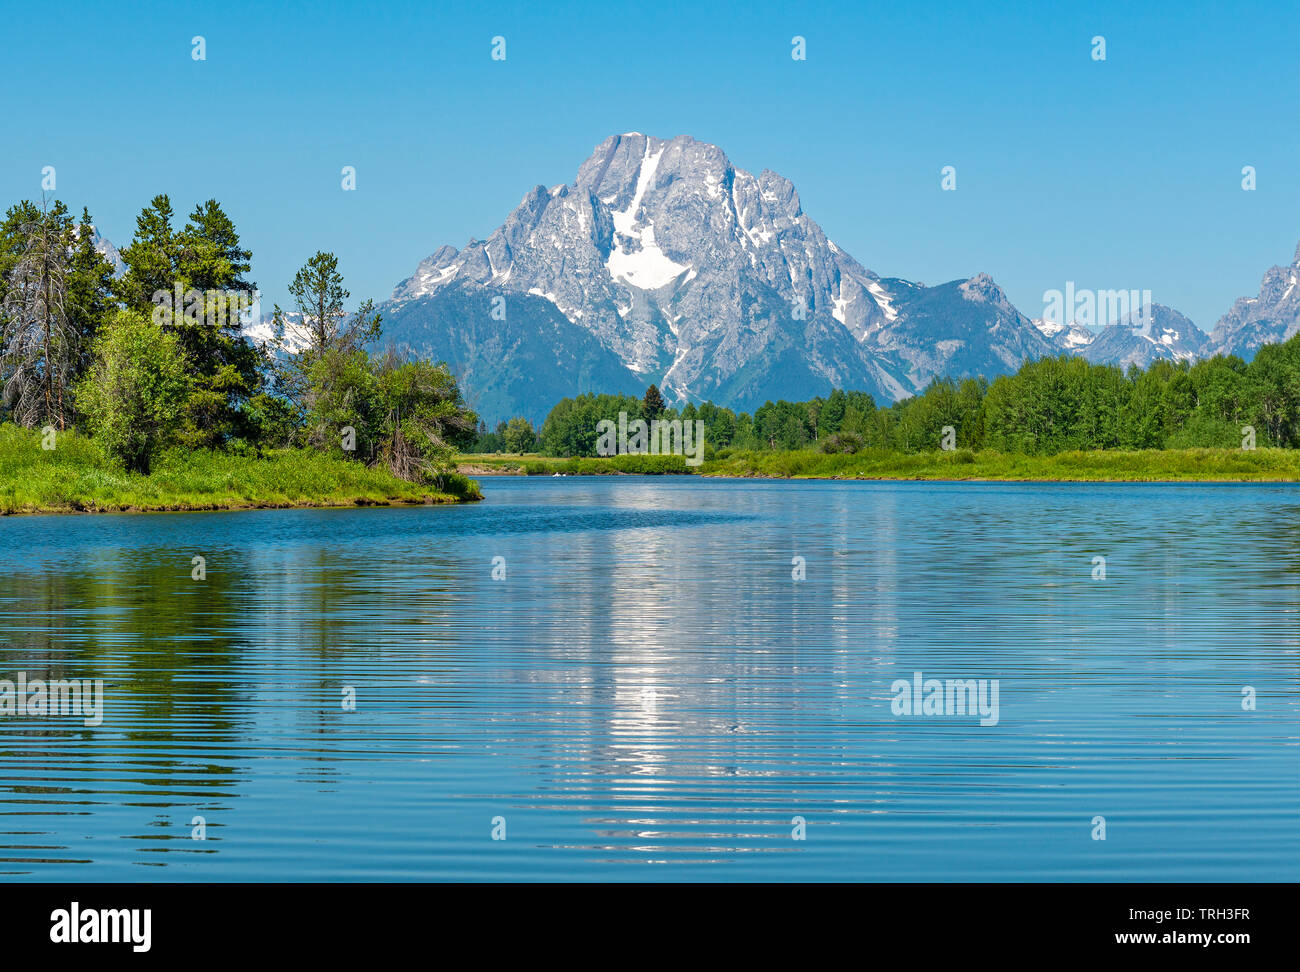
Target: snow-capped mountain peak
{"points": [[712, 281], [664, 262], [1270, 317]]}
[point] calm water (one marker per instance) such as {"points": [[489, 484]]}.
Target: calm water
{"points": [[649, 695]]}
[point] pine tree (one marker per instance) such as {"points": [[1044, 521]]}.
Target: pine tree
{"points": [[204, 257], [227, 365], [325, 346], [653, 405], [13, 240], [323, 324], [90, 293], [209, 254], [152, 258]]}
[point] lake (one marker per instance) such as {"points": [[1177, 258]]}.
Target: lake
{"points": [[622, 679]]}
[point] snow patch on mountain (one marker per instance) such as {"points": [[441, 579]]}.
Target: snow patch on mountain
{"points": [[636, 258]]}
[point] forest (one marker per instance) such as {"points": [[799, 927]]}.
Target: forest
{"points": [[154, 363], [1049, 406]]}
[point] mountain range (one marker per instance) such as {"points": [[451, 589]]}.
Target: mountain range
{"points": [[662, 262]]}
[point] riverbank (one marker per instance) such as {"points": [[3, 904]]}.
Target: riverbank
{"points": [[1155, 465], [496, 464], [1167, 465], [75, 477]]}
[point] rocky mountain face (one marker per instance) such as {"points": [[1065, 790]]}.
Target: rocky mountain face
{"points": [[520, 365], [108, 251], [696, 275], [961, 328], [1271, 317], [1065, 338], [1149, 334]]}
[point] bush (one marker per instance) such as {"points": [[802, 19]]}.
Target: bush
{"points": [[842, 442], [135, 394]]}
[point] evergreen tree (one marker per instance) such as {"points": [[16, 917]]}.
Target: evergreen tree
{"points": [[90, 294], [205, 264], [318, 290], [227, 365], [209, 254], [152, 259], [324, 347], [653, 405]]}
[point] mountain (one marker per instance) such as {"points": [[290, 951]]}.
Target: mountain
{"points": [[103, 246], [963, 327], [1161, 333], [522, 365], [663, 262], [1271, 317], [1065, 339], [108, 251]]}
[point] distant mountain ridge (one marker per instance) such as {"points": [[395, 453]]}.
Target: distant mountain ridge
{"points": [[1151, 333]]}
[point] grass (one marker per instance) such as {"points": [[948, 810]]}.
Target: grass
{"points": [[76, 476], [1154, 465], [484, 464]]}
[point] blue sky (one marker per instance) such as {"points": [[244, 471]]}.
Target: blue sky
{"points": [[1122, 174]]}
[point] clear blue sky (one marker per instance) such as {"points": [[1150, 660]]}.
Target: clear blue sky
{"points": [[1122, 174]]}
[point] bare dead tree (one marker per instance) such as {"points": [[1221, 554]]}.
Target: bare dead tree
{"points": [[37, 341]]}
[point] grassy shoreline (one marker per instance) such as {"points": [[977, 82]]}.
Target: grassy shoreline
{"points": [[1167, 465], [75, 477], [530, 464]]}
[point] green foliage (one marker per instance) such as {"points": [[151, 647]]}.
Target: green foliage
{"points": [[343, 392], [629, 465], [323, 325], [518, 436], [136, 390], [652, 406], [571, 429], [78, 475], [423, 420], [1049, 406], [204, 257], [489, 441], [1092, 465], [151, 259], [90, 300], [276, 420], [174, 367], [53, 300]]}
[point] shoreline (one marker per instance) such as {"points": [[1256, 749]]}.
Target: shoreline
{"points": [[74, 509], [1172, 466], [76, 477], [1190, 481], [768, 477]]}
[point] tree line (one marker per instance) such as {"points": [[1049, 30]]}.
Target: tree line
{"points": [[1048, 406], [157, 357]]}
